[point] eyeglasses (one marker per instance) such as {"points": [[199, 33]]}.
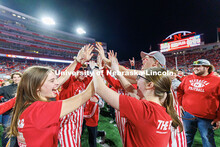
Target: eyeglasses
{"points": [[139, 76]]}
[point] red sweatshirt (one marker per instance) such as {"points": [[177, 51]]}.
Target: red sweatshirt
{"points": [[200, 95], [112, 81]]}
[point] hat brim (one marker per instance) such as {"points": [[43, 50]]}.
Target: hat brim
{"points": [[143, 54], [201, 64]]}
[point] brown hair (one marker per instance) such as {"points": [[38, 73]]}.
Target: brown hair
{"points": [[211, 68], [162, 84], [174, 71], [32, 79], [16, 73]]}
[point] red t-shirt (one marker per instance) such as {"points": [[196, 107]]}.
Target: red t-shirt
{"points": [[148, 124], [38, 125], [200, 95]]}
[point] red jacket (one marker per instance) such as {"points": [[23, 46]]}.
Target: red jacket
{"points": [[200, 95], [91, 113]]}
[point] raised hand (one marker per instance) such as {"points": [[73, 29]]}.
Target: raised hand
{"points": [[132, 62], [85, 54], [114, 61], [99, 62], [101, 51]]}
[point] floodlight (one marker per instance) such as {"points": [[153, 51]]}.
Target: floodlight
{"points": [[48, 21], [80, 31]]}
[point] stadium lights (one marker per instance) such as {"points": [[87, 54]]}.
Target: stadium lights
{"points": [[48, 21], [80, 31], [55, 60]]}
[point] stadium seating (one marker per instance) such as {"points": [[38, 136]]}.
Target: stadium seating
{"points": [[185, 61]]}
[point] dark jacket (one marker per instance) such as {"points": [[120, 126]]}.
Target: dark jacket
{"points": [[8, 92]]}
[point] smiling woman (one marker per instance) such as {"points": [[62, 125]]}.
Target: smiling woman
{"points": [[35, 119]]}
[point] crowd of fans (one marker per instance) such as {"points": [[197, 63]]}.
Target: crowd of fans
{"points": [[11, 65], [74, 85], [184, 61]]}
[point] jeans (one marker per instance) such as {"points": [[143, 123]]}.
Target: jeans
{"points": [[6, 121], [0, 119], [191, 123]]}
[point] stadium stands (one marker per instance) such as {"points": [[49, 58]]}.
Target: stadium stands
{"points": [[10, 65], [24, 34], [184, 61]]}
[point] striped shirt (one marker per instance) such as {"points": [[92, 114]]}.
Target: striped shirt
{"points": [[177, 139], [71, 124]]}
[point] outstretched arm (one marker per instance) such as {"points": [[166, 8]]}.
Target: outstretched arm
{"points": [[7, 105], [110, 96], [75, 102], [124, 82], [83, 55], [132, 63]]}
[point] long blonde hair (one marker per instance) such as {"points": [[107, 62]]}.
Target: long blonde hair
{"points": [[162, 84], [32, 79]]}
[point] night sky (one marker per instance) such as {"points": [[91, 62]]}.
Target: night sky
{"points": [[127, 26]]}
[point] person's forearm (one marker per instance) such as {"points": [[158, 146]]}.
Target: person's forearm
{"points": [[64, 77], [125, 83], [75, 102], [112, 81], [110, 96], [108, 62], [7, 105], [132, 74]]}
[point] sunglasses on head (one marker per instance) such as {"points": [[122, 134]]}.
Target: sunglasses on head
{"points": [[197, 62]]}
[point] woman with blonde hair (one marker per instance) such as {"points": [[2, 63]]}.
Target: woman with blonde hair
{"points": [[148, 119], [35, 120]]}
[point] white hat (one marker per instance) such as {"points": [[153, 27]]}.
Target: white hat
{"points": [[157, 56]]}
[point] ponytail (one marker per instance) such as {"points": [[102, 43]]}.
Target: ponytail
{"points": [[168, 104]]}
